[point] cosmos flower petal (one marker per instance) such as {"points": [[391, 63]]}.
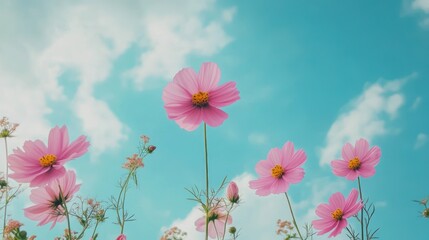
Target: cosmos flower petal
{"points": [[213, 116], [279, 186], [361, 148], [58, 140], [275, 156], [348, 151], [209, 76], [224, 95], [194, 118], [340, 168], [263, 168], [294, 176], [187, 79], [339, 228], [337, 200]]}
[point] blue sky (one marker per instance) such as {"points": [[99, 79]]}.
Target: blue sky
{"points": [[318, 73]]}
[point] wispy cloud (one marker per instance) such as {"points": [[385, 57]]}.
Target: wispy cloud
{"points": [[40, 42], [366, 116], [420, 140], [264, 211], [416, 103], [422, 6]]}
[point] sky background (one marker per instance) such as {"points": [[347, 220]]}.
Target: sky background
{"points": [[318, 73]]}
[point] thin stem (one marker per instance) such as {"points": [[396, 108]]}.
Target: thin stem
{"points": [[293, 217], [123, 207], [226, 220], [7, 185], [207, 180], [118, 202], [95, 228], [64, 204], [361, 211]]}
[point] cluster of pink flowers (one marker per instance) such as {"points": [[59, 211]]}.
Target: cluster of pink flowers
{"points": [[7, 128], [43, 167], [133, 162]]}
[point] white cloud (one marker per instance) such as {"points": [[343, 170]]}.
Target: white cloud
{"points": [[421, 5], [256, 216], [257, 138], [41, 41], [421, 140], [416, 103], [365, 117]]}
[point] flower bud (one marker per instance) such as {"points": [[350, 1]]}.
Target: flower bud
{"points": [[425, 213], [232, 192], [121, 237], [151, 148], [232, 230]]}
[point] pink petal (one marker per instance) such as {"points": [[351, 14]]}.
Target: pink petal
{"points": [[186, 126], [208, 76], [187, 79], [372, 156], [275, 156], [279, 186], [175, 94], [348, 152], [76, 149], [263, 168], [192, 120], [366, 170], [339, 228], [297, 160], [324, 211], [352, 175], [337, 200], [325, 225], [224, 95], [213, 116], [294, 176], [361, 148], [58, 140], [340, 168], [48, 176], [287, 154]]}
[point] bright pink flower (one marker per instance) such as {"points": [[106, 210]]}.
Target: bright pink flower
{"points": [[191, 98], [217, 218], [121, 237], [39, 164], [357, 161], [334, 214], [281, 168], [232, 192], [48, 202]]}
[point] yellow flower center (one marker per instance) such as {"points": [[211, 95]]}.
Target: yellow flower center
{"points": [[354, 164], [337, 214], [200, 99], [277, 171], [47, 160]]}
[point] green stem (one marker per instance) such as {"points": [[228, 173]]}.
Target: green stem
{"points": [[123, 207], [95, 228], [293, 217], [361, 211], [207, 180], [226, 220], [64, 204], [7, 185], [122, 222]]}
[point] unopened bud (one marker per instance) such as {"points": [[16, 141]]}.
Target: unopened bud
{"points": [[232, 230], [425, 213], [151, 148]]}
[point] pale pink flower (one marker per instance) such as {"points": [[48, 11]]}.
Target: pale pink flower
{"points": [[232, 192], [335, 213], [357, 161], [144, 138], [282, 167], [191, 98], [39, 164], [121, 237], [11, 226], [217, 218], [48, 202], [133, 162]]}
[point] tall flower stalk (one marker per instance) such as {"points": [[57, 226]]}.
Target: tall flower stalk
{"points": [[361, 211], [7, 129], [133, 163], [207, 181], [293, 217]]}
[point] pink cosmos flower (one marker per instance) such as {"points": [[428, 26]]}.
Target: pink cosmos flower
{"points": [[191, 98], [121, 237], [232, 192], [48, 202], [357, 161], [334, 214], [281, 168], [217, 219], [39, 164]]}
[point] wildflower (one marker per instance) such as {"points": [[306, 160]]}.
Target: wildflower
{"points": [[48, 202], [39, 164], [121, 237], [144, 138], [192, 98], [7, 128], [357, 161], [232, 192], [281, 168], [217, 218], [11, 226], [334, 214], [133, 162]]}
